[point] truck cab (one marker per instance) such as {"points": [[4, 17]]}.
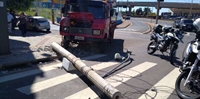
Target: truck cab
{"points": [[86, 21]]}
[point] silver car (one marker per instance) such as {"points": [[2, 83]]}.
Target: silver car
{"points": [[38, 23]]}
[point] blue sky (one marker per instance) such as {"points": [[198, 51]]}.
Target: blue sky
{"points": [[163, 9]]}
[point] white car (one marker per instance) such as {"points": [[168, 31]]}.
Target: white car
{"points": [[38, 23]]}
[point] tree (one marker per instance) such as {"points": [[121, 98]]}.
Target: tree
{"points": [[146, 11], [139, 11], [19, 5], [133, 12]]}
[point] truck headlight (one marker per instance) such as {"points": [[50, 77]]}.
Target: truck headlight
{"points": [[65, 29], [96, 32]]}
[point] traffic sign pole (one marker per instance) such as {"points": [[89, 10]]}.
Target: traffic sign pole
{"points": [[4, 40]]}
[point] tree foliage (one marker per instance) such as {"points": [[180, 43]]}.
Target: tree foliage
{"points": [[146, 11], [19, 5], [139, 11], [133, 12]]}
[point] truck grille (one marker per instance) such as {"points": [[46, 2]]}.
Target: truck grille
{"points": [[77, 30]]}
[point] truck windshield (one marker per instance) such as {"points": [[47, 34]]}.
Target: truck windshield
{"points": [[97, 9]]}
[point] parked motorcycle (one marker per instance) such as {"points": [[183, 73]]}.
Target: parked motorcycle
{"points": [[166, 42], [190, 73], [189, 53]]}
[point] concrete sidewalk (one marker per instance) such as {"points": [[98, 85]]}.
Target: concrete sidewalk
{"points": [[125, 23], [34, 47]]}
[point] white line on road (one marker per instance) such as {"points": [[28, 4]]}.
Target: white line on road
{"points": [[164, 87], [29, 72], [36, 87], [89, 93], [40, 70]]}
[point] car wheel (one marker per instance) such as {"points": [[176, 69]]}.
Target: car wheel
{"points": [[48, 30], [35, 29]]}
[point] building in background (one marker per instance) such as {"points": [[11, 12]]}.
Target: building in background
{"points": [[185, 12]]}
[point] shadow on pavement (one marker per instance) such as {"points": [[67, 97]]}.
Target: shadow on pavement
{"points": [[29, 33], [85, 50], [23, 76], [177, 63]]}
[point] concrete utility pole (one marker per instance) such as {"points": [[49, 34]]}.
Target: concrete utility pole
{"points": [[190, 13], [102, 84], [158, 9], [4, 40], [157, 13], [53, 17]]}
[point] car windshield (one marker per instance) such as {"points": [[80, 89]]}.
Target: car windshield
{"points": [[41, 20], [96, 8], [187, 21]]}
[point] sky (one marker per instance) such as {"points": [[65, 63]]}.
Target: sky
{"points": [[163, 9]]}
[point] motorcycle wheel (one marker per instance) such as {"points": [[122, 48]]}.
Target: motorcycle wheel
{"points": [[173, 53], [150, 49], [183, 94]]}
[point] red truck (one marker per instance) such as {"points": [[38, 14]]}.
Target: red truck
{"points": [[87, 21]]}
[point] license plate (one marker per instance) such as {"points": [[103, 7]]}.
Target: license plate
{"points": [[79, 38]]}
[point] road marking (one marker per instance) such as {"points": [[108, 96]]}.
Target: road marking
{"points": [[36, 87], [89, 93], [30, 72], [40, 70], [164, 87]]}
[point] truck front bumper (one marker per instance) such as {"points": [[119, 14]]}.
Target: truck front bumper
{"points": [[82, 39]]}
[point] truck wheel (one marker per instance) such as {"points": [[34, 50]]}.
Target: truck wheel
{"points": [[103, 46], [65, 43]]}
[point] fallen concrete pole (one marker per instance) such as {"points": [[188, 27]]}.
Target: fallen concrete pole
{"points": [[102, 84]]}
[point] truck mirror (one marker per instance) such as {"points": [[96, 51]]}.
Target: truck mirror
{"points": [[116, 14], [63, 10], [111, 12]]}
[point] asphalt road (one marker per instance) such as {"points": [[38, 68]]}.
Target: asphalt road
{"points": [[146, 77], [137, 26], [162, 22]]}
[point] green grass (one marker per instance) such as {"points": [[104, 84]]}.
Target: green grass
{"points": [[45, 12]]}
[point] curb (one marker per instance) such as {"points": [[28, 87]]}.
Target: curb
{"points": [[128, 24], [150, 25], [55, 23]]}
